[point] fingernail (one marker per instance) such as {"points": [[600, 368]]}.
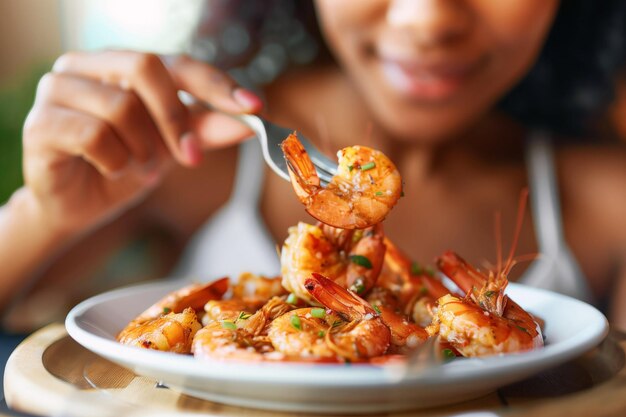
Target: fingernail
{"points": [[190, 148], [247, 99]]}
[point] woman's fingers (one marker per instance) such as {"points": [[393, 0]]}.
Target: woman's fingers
{"points": [[121, 109], [51, 133], [213, 86], [146, 75], [217, 130], [143, 80]]}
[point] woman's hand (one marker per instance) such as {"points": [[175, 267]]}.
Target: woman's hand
{"points": [[105, 127]]}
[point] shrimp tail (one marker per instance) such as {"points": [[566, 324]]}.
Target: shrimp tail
{"points": [[337, 298], [301, 169]]}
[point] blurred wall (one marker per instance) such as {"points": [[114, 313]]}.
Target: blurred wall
{"points": [[29, 35]]}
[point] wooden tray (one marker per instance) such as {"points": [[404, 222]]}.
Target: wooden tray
{"points": [[49, 374]]}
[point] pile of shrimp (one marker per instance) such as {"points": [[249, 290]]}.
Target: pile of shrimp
{"points": [[346, 292]]}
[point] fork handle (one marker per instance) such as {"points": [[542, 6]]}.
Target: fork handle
{"points": [[254, 123]]}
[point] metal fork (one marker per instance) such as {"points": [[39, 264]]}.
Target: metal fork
{"points": [[271, 135]]}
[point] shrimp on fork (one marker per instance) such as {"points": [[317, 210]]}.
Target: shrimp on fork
{"points": [[486, 321], [366, 187]]}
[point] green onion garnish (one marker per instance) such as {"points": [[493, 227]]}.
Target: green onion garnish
{"points": [[243, 316], [350, 168], [423, 290], [361, 261], [358, 287], [368, 166], [292, 299], [430, 271], [416, 269], [318, 313], [525, 330], [229, 325], [375, 307], [448, 354], [379, 193], [489, 293], [321, 333], [166, 310], [296, 323]]}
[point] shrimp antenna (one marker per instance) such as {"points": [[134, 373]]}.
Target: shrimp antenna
{"points": [[521, 208], [498, 232]]}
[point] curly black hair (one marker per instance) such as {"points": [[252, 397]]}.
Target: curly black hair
{"points": [[573, 80]]}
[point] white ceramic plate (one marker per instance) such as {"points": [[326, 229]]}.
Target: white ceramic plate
{"points": [[571, 328]]}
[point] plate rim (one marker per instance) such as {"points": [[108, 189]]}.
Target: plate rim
{"points": [[358, 376]]}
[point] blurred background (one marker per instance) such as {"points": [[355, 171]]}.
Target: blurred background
{"points": [[30, 39], [255, 41]]}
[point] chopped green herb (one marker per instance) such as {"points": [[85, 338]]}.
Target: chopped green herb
{"points": [[292, 299], [423, 290], [489, 293], [337, 323], [243, 316], [166, 310], [416, 268], [368, 166], [379, 193], [525, 330], [376, 308], [321, 333], [350, 168], [229, 325], [430, 271], [448, 354], [358, 288], [318, 313], [361, 261], [296, 323]]}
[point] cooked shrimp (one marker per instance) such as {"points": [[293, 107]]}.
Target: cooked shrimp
{"points": [[172, 332], [486, 321], [257, 288], [405, 335], [218, 310], [193, 295], [351, 258], [352, 329], [406, 287], [244, 338], [366, 187]]}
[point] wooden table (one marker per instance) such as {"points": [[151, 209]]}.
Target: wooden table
{"points": [[50, 374]]}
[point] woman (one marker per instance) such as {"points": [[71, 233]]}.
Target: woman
{"points": [[111, 155]]}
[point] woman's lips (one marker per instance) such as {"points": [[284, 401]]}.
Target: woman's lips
{"points": [[432, 82]]}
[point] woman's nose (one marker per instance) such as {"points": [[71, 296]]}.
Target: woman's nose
{"points": [[431, 22]]}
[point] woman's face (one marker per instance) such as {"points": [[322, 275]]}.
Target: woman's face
{"points": [[430, 68]]}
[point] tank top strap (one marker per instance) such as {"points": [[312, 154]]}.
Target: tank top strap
{"points": [[555, 268]]}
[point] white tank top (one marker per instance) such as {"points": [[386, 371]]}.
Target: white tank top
{"points": [[236, 239]]}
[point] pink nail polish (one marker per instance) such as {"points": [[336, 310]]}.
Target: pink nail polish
{"points": [[190, 149], [247, 99]]}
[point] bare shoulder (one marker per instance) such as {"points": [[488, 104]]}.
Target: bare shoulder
{"points": [[593, 182]]}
